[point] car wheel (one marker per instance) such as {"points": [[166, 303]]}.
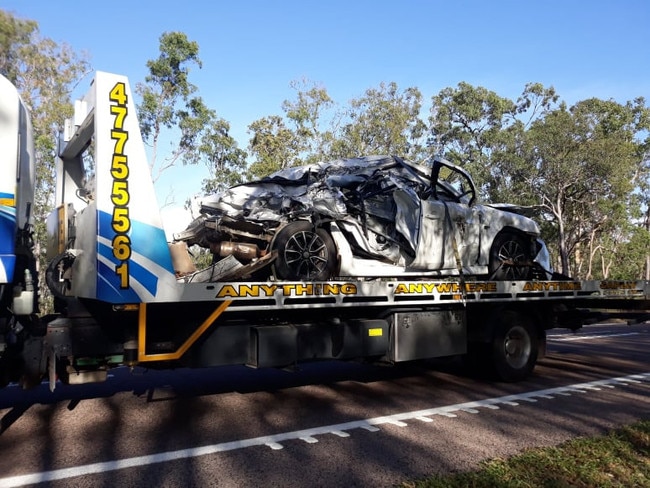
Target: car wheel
{"points": [[514, 347], [509, 258], [305, 253]]}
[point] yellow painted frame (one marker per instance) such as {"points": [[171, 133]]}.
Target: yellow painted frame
{"points": [[170, 356]]}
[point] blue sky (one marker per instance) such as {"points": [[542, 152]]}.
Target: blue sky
{"points": [[252, 49]]}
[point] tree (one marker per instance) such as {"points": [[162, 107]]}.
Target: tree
{"points": [[306, 114], [585, 163], [586, 167], [294, 139], [274, 145], [15, 41], [169, 102], [476, 128], [225, 161], [383, 121], [45, 74]]}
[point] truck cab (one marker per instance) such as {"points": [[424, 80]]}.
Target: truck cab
{"points": [[17, 262]]}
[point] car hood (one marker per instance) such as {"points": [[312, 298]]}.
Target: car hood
{"points": [[525, 210], [317, 187]]}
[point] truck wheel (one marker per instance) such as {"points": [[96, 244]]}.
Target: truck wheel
{"points": [[514, 347], [509, 258], [305, 253]]}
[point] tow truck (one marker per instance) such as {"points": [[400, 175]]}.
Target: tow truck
{"points": [[120, 298]]}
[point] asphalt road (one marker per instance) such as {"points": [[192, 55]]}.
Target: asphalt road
{"points": [[329, 424]]}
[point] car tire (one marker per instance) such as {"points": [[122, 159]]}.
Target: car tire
{"points": [[305, 253], [514, 347], [512, 247]]}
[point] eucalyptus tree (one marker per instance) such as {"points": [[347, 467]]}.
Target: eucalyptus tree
{"points": [[310, 119], [585, 163], [476, 128], [273, 145], [225, 161], [585, 167], [169, 103], [171, 109], [385, 120]]}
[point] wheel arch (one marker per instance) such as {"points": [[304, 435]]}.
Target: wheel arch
{"points": [[483, 320], [510, 229]]}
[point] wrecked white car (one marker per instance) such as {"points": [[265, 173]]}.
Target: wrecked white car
{"points": [[378, 216]]}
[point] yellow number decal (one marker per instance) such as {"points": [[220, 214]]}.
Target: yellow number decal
{"points": [[118, 94], [120, 140], [121, 223], [122, 247], [120, 167], [120, 114], [122, 271], [120, 195]]}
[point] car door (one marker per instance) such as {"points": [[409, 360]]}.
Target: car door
{"points": [[449, 219]]}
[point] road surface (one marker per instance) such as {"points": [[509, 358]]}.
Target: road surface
{"points": [[329, 424]]}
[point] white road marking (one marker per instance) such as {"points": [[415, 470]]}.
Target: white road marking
{"points": [[469, 410], [340, 433], [275, 441], [397, 423], [605, 335]]}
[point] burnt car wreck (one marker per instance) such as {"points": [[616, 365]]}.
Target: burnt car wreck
{"points": [[366, 217]]}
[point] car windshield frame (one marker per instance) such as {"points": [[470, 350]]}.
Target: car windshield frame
{"points": [[442, 186]]}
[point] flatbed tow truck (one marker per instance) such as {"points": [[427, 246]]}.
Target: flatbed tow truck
{"points": [[119, 299]]}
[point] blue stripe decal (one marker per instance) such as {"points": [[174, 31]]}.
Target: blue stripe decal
{"points": [[7, 195], [8, 240], [8, 264], [148, 243], [108, 287], [146, 240], [141, 274]]}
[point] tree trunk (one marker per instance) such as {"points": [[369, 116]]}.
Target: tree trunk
{"points": [[647, 257], [562, 247]]}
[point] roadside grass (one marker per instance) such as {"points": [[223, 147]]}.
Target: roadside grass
{"points": [[618, 459]]}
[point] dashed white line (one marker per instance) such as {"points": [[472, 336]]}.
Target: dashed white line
{"points": [[340, 433], [309, 435]]}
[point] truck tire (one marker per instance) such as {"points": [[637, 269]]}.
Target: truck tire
{"points": [[514, 347], [305, 253], [509, 256]]}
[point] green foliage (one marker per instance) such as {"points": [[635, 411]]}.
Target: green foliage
{"points": [[170, 106], [468, 125], [580, 165], [619, 459], [274, 146], [15, 43], [306, 115], [225, 161], [295, 139], [383, 121]]}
